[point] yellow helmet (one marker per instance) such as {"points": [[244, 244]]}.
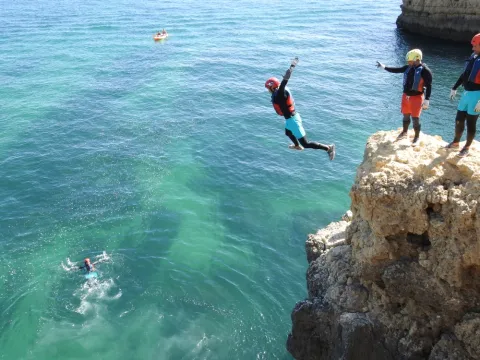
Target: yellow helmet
{"points": [[413, 55]]}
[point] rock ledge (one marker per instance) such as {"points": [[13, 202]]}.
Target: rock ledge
{"points": [[446, 19], [399, 277]]}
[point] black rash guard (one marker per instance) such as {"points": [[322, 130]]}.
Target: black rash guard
{"points": [[407, 88], [88, 268], [463, 79], [280, 96]]}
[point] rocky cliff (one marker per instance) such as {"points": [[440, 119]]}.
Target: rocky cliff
{"points": [[400, 277], [446, 19]]}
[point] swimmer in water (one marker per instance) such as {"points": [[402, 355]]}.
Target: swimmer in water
{"points": [[88, 266]]}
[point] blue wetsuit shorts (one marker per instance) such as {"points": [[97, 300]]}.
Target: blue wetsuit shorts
{"points": [[468, 101], [294, 124]]}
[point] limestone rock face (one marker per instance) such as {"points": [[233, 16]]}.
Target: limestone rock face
{"points": [[455, 20], [400, 277]]}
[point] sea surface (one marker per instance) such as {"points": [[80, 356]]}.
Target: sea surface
{"points": [[166, 162]]}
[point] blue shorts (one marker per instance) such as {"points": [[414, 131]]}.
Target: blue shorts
{"points": [[294, 124], [468, 101]]}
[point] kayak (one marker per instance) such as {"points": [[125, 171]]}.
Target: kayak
{"points": [[160, 37]]}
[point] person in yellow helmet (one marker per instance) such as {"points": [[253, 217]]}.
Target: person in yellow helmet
{"points": [[417, 88], [469, 106]]}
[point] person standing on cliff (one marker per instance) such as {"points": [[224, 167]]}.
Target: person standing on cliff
{"points": [[284, 105], [469, 106], [417, 87]]}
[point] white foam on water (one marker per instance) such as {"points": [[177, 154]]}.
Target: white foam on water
{"points": [[102, 257], [94, 292], [69, 265]]}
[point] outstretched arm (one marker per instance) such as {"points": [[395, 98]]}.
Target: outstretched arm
{"points": [[392, 69], [290, 69], [99, 261], [396, 70], [287, 75]]}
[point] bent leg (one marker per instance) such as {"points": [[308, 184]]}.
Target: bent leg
{"points": [[291, 137], [312, 144]]}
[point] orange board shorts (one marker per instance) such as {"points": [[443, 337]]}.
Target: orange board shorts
{"points": [[412, 105]]}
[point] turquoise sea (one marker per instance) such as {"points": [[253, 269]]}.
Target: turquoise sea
{"points": [[166, 161]]}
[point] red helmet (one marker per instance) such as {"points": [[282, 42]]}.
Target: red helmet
{"points": [[87, 260], [476, 40], [272, 82]]}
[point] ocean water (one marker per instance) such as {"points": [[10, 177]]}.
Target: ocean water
{"points": [[165, 161]]}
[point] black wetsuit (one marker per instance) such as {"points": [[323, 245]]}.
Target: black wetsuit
{"points": [[407, 87], [281, 95], [88, 267], [463, 79]]}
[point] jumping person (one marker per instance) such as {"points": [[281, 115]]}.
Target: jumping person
{"points": [[417, 87], [284, 105], [469, 106]]}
